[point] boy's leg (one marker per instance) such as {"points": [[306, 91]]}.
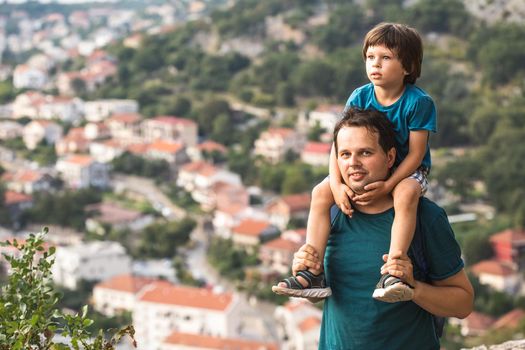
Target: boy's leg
{"points": [[318, 227], [406, 198]]}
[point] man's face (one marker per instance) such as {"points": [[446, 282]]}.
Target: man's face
{"points": [[361, 159]]}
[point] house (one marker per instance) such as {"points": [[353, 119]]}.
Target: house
{"points": [[92, 261], [104, 151], [81, 171], [282, 210], [125, 126], [96, 131], [278, 253], [511, 319], [74, 142], [208, 150], [10, 130], [198, 179], [474, 325], [27, 104], [118, 293], [297, 235], [509, 247], [16, 203], [250, 233], [274, 143], [163, 308], [99, 110], [326, 116], [133, 41], [316, 153], [66, 109], [27, 77], [499, 275], [226, 195], [27, 181], [189, 341], [301, 323], [172, 152], [170, 128], [116, 217], [41, 130]]}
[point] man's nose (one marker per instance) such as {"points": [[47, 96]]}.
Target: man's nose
{"points": [[353, 160]]}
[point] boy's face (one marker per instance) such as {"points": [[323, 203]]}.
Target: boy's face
{"points": [[383, 67], [361, 159]]}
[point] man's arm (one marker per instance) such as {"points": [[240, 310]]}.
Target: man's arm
{"points": [[450, 297]]}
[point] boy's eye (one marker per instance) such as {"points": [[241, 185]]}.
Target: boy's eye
{"points": [[370, 57], [386, 57]]}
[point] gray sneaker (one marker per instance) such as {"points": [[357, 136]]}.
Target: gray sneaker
{"points": [[391, 289]]}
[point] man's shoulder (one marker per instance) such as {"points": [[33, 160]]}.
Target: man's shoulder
{"points": [[429, 210]]}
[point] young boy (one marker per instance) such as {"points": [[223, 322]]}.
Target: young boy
{"points": [[393, 54]]}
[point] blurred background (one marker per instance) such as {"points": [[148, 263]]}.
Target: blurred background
{"points": [[171, 148]]}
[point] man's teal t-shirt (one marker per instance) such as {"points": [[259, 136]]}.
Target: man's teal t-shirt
{"points": [[414, 110], [352, 319]]}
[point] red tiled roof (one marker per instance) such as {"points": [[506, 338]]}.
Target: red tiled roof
{"points": [[125, 283], [283, 132], [309, 323], [167, 293], [202, 168], [127, 118], [317, 147], [165, 147], [479, 321], [510, 236], [208, 342], [510, 320], [79, 159], [211, 146], [12, 197], [282, 244], [297, 202], [251, 227], [138, 148], [169, 119], [492, 267]]}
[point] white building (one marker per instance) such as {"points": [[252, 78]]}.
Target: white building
{"points": [[188, 341], [93, 261], [170, 128], [274, 143], [326, 116], [498, 275], [118, 294], [96, 111], [163, 308], [39, 130], [300, 321], [80, 171], [26, 77], [10, 130], [316, 153], [66, 109]]}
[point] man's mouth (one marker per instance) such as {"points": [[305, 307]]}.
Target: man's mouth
{"points": [[357, 175]]}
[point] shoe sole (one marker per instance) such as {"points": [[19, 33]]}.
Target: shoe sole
{"points": [[319, 293], [394, 293]]}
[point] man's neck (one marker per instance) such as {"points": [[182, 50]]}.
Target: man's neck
{"points": [[378, 206]]}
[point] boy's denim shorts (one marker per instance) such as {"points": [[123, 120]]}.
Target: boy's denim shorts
{"points": [[420, 175]]}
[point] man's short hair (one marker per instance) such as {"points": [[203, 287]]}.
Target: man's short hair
{"points": [[371, 119], [404, 41]]}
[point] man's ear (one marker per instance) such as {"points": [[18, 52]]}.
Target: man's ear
{"points": [[391, 157]]}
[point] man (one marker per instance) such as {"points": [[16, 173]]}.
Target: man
{"points": [[364, 145]]}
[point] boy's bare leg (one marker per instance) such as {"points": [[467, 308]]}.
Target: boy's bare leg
{"points": [[318, 226], [406, 198]]}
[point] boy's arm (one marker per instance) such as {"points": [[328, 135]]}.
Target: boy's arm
{"points": [[341, 193]]}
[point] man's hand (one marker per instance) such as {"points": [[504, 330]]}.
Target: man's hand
{"points": [[399, 265], [342, 196], [306, 257], [373, 191]]}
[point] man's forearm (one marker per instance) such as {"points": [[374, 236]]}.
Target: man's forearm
{"points": [[452, 300]]}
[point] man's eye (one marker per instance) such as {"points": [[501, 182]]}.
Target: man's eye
{"points": [[367, 153]]}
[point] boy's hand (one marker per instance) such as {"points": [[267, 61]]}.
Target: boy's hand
{"points": [[342, 196], [373, 191], [399, 265]]}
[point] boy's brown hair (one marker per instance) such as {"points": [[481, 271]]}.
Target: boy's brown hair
{"points": [[404, 41]]}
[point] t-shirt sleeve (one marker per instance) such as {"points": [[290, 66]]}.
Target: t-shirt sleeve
{"points": [[353, 100], [443, 254], [424, 115]]}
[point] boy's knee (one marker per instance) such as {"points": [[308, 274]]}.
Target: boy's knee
{"points": [[407, 195]]}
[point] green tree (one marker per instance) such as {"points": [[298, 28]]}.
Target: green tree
{"points": [[162, 239], [476, 247], [29, 317]]}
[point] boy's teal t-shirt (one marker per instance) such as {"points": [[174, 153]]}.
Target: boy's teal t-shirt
{"points": [[352, 319], [414, 110]]}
